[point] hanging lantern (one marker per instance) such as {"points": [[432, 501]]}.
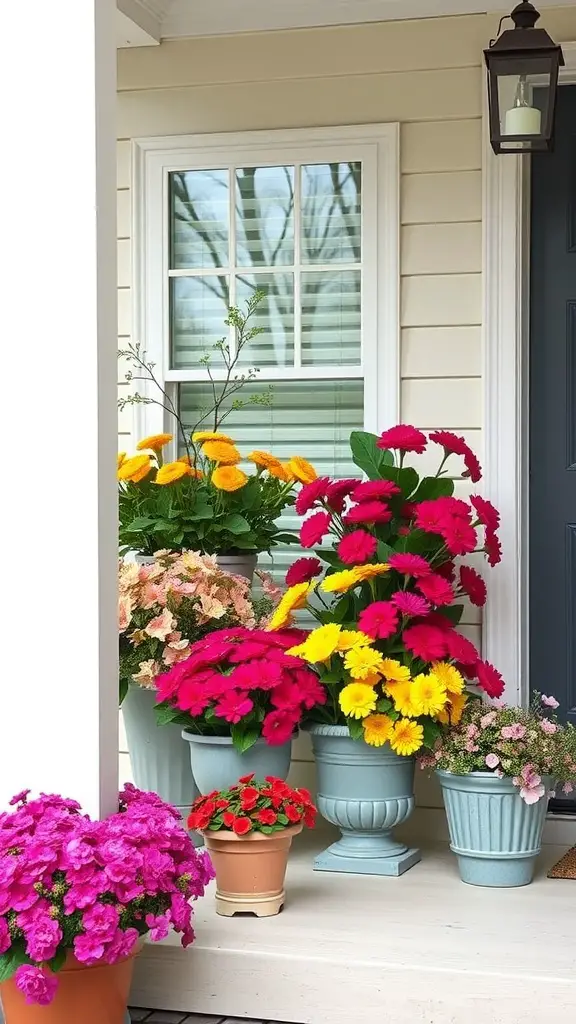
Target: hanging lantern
{"points": [[523, 65]]}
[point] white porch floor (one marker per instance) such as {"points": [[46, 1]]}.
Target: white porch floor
{"points": [[421, 949]]}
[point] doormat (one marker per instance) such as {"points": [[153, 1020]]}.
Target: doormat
{"points": [[566, 866]]}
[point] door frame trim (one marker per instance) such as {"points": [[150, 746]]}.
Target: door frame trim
{"points": [[505, 333]]}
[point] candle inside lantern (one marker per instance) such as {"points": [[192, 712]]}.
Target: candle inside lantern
{"points": [[522, 118]]}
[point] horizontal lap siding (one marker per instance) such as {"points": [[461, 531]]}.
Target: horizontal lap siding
{"points": [[424, 74]]}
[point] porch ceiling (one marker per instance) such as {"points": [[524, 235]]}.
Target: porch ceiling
{"points": [[146, 22]]}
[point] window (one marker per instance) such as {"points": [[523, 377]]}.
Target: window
{"points": [[311, 220]]}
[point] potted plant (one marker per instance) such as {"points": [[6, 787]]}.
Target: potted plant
{"points": [[77, 897], [164, 608], [248, 829], [497, 767], [387, 651], [202, 500], [239, 698]]}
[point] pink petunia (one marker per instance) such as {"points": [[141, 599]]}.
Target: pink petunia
{"points": [[548, 727], [36, 985], [314, 529], [303, 570], [379, 620], [233, 706], [371, 489], [410, 604], [310, 494], [473, 585], [410, 565], [262, 673], [487, 514], [436, 589], [426, 642], [369, 512], [404, 437], [356, 547], [550, 702]]}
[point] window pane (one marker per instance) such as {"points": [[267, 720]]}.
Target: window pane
{"points": [[199, 217], [265, 216], [275, 313], [331, 317], [309, 418], [198, 308], [331, 213]]}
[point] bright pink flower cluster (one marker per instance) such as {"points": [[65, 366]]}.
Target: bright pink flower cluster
{"points": [[241, 678], [91, 888]]}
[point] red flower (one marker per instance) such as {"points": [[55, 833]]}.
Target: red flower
{"points": [[455, 445], [436, 589], [249, 797], [426, 642], [278, 726], [369, 512], [245, 779], [374, 489], [303, 570], [242, 826], [310, 494], [310, 816], [267, 816], [459, 537], [489, 679], [233, 706], [310, 689], [357, 547], [338, 491], [473, 585], [447, 570], [286, 696], [379, 620], [228, 819], [473, 467], [221, 804], [410, 565], [461, 649], [492, 547], [315, 529], [410, 604], [487, 514], [294, 814], [403, 437]]}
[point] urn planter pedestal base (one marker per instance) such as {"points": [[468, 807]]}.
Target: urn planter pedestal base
{"points": [[362, 854]]}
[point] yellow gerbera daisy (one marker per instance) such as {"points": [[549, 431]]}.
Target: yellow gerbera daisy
{"points": [[172, 471], [135, 468], [401, 694], [452, 712], [265, 461], [350, 638], [394, 671], [449, 676], [377, 729], [156, 442], [222, 452], [357, 700], [429, 694], [407, 737], [121, 459], [361, 662], [339, 582], [282, 472], [321, 643], [293, 599], [367, 572], [193, 470], [229, 478], [211, 435], [302, 470]]}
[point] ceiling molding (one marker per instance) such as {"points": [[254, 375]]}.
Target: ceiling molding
{"points": [[139, 22]]}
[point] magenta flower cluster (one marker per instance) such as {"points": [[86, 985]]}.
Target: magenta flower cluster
{"points": [[91, 888]]}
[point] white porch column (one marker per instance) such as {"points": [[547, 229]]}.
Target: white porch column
{"points": [[58, 418]]}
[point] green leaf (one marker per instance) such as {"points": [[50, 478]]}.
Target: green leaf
{"points": [[11, 961], [432, 731], [266, 829], [383, 706], [383, 551], [453, 612], [57, 962], [142, 523], [165, 714], [244, 738], [355, 728], [123, 686], [235, 523], [366, 454], [330, 557], [433, 487]]}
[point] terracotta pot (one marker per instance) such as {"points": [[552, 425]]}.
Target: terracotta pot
{"points": [[250, 870], [85, 995]]}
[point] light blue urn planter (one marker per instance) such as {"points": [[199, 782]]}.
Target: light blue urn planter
{"points": [[495, 835], [159, 759], [216, 764], [366, 791]]}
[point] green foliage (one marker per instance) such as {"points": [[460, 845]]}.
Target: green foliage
{"points": [[367, 456]]}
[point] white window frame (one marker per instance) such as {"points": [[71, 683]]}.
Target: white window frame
{"points": [[377, 147]]}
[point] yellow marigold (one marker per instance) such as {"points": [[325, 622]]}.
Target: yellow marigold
{"points": [[449, 676], [321, 643], [302, 470], [293, 599], [357, 700], [135, 469], [339, 582], [156, 442], [222, 452], [407, 737], [171, 472], [392, 670], [350, 638], [429, 694], [452, 712], [363, 661], [229, 478], [367, 572], [121, 459], [377, 729], [401, 694], [211, 435], [193, 471], [282, 473], [265, 461]]}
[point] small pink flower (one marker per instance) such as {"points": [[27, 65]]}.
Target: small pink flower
{"points": [[567, 788], [492, 760], [487, 720], [548, 727], [550, 702], [532, 795], [161, 626], [513, 732]]}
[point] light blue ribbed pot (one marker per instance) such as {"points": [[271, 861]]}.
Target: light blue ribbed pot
{"points": [[493, 832], [216, 764], [158, 757], [366, 791]]}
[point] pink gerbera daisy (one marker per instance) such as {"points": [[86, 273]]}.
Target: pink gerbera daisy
{"points": [[338, 491], [473, 585], [310, 495], [455, 445], [379, 620], [357, 547], [489, 679], [303, 570], [315, 529], [374, 489], [404, 437], [410, 604], [487, 514], [426, 642], [436, 589], [461, 649], [492, 547], [459, 536], [410, 565], [369, 512]]}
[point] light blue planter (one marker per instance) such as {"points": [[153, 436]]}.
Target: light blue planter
{"points": [[494, 834], [366, 791], [216, 764], [158, 757]]}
